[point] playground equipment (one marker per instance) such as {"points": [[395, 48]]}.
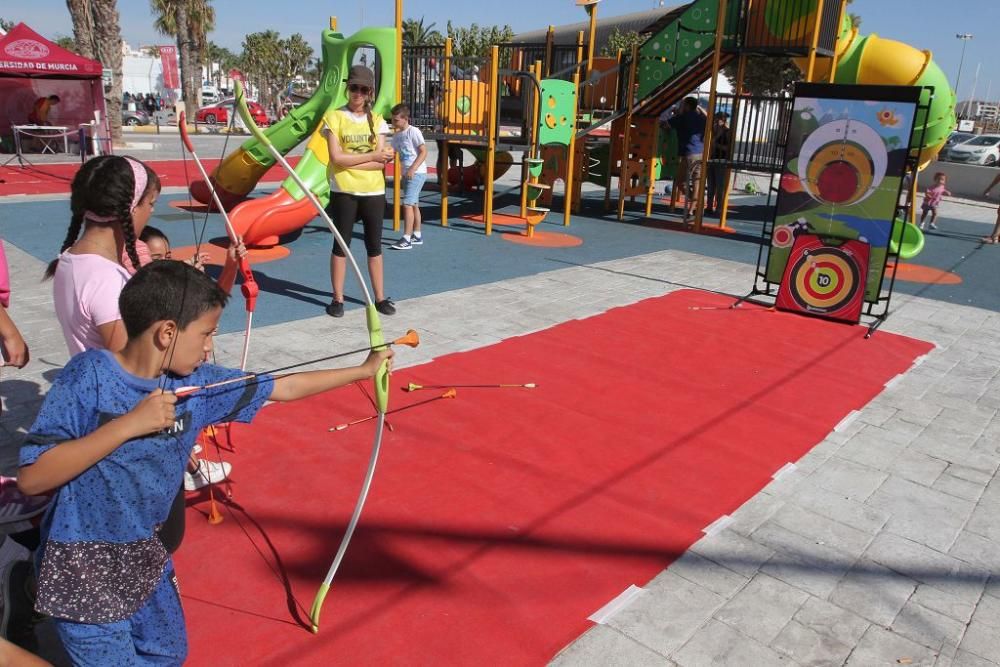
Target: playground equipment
{"points": [[261, 221], [483, 104]]}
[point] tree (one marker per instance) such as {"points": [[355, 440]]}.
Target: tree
{"points": [[415, 33], [65, 42], [766, 75], [224, 58], [475, 41], [98, 36], [621, 41], [271, 63], [189, 22], [83, 27]]}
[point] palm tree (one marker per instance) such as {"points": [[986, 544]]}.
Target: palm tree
{"points": [[415, 33], [98, 36], [83, 27], [188, 21]]}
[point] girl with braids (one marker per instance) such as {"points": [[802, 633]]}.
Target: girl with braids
{"points": [[358, 155], [112, 200]]}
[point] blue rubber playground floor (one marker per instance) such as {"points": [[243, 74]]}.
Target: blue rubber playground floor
{"points": [[461, 255]]}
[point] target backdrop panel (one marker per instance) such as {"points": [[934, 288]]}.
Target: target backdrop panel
{"points": [[843, 171], [823, 279]]}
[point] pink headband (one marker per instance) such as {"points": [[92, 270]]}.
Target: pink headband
{"points": [[141, 180]]}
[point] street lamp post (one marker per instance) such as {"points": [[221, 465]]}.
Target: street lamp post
{"points": [[965, 37]]}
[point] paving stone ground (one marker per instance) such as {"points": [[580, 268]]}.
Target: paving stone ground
{"points": [[880, 547]]}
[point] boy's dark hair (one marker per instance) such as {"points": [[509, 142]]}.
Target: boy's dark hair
{"points": [[167, 291], [54, 98], [151, 232], [104, 187], [690, 103], [401, 110]]}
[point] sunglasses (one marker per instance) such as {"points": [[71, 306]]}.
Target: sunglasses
{"points": [[355, 88]]}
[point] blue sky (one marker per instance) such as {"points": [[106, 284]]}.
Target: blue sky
{"points": [[926, 24]]}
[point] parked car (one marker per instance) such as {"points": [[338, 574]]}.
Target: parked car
{"points": [[133, 118], [958, 138], [983, 149], [219, 113]]}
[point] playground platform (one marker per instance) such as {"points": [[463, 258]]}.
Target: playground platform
{"points": [[873, 542]]}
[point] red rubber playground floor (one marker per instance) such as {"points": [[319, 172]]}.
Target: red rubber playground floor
{"points": [[500, 520]]}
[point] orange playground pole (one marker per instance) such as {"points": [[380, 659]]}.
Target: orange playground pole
{"points": [[491, 146], [815, 41], [706, 150], [445, 162]]}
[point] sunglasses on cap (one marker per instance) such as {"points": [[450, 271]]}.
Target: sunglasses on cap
{"points": [[358, 88]]}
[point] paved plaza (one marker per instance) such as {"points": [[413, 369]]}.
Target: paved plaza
{"points": [[881, 546]]}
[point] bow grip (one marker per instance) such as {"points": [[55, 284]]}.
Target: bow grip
{"points": [[376, 340]]}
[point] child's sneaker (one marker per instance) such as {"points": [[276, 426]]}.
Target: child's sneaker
{"points": [[15, 506], [208, 472], [402, 244], [416, 239], [385, 306], [933, 225], [335, 308]]}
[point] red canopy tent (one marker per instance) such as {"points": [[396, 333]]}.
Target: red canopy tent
{"points": [[32, 67]]}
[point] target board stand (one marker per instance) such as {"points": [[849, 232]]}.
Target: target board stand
{"points": [[827, 250]]}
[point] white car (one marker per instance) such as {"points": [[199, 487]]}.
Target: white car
{"points": [[984, 149]]}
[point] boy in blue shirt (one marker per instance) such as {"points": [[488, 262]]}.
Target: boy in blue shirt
{"points": [[112, 441]]}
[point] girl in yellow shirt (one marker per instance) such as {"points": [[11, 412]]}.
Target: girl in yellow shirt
{"points": [[358, 156]]}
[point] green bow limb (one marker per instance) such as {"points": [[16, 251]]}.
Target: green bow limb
{"points": [[376, 339]]}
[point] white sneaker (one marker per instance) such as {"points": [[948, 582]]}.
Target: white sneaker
{"points": [[208, 472]]}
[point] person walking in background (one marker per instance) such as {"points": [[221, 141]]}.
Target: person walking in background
{"points": [[409, 143], [718, 173], [689, 123], [358, 155], [994, 236]]}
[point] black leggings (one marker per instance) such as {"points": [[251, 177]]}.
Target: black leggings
{"points": [[345, 209]]}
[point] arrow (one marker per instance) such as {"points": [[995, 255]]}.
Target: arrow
{"points": [[411, 339], [417, 387], [451, 393]]}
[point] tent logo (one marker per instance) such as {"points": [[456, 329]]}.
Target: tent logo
{"points": [[29, 49]]}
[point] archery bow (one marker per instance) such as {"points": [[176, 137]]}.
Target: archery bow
{"points": [[249, 288], [375, 338]]}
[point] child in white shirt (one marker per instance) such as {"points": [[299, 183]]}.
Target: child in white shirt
{"points": [[408, 141]]}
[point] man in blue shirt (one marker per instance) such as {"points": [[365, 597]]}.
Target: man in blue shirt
{"points": [[689, 123]]}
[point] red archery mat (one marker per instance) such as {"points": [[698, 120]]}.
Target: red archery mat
{"points": [[499, 520]]}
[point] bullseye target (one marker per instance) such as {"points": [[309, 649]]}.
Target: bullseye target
{"points": [[783, 237], [843, 162], [824, 280]]}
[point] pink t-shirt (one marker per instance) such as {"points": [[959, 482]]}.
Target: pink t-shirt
{"points": [[4, 279], [85, 292], [933, 195]]}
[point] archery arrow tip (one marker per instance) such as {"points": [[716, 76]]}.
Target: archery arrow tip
{"points": [[411, 339], [530, 385], [451, 393], [412, 387]]}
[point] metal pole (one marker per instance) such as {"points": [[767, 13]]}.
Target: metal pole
{"points": [[965, 37]]}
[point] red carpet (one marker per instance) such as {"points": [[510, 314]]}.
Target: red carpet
{"points": [[56, 178], [500, 520]]}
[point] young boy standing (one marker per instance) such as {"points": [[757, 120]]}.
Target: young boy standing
{"points": [[408, 141], [112, 441]]}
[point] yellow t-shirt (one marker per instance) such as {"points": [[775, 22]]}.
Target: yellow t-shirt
{"points": [[354, 135]]}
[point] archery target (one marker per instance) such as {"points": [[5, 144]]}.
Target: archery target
{"points": [[842, 162], [783, 237], [825, 280]]}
